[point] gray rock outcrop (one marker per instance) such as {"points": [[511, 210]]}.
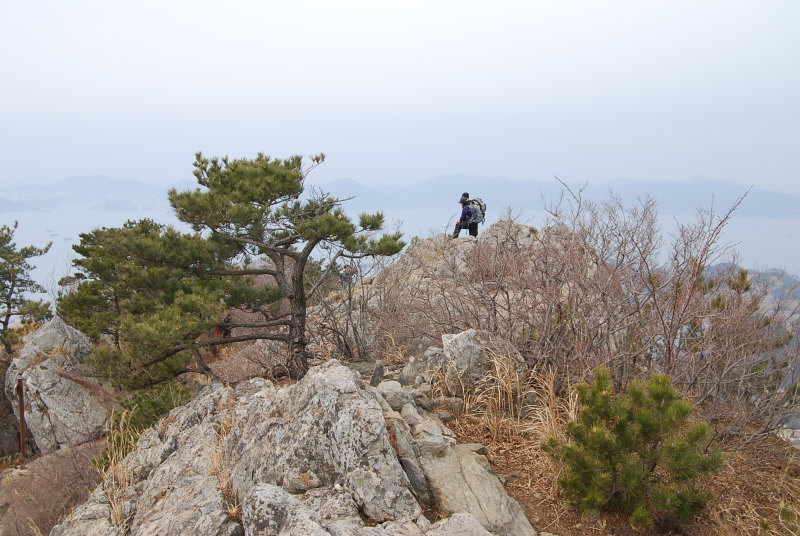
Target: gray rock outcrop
{"points": [[453, 478], [468, 356], [458, 525], [418, 370], [327, 456], [464, 359], [62, 407]]}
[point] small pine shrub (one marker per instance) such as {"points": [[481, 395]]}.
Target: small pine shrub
{"points": [[634, 451]]}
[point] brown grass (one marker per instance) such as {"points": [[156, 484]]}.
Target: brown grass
{"points": [[241, 361], [758, 492], [7, 462], [122, 437], [30, 503], [757, 486], [218, 470], [391, 352]]}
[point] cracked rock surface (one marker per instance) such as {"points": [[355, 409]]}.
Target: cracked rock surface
{"points": [[326, 456], [62, 407]]}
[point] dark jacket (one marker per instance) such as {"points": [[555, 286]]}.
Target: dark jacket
{"points": [[464, 214]]}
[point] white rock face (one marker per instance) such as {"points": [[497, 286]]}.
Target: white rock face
{"points": [[462, 481], [62, 407], [455, 478], [395, 395], [328, 426], [327, 456]]}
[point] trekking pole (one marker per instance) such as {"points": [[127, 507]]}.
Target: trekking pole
{"points": [[22, 431]]}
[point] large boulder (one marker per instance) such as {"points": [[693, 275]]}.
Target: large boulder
{"points": [[460, 524], [330, 431], [461, 480], [327, 456], [464, 360], [62, 407]]}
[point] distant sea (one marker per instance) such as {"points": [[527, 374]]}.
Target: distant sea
{"points": [[63, 227], [761, 243]]}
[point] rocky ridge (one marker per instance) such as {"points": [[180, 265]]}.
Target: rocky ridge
{"points": [[329, 455]]}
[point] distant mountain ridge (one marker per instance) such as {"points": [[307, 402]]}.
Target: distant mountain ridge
{"points": [[673, 197], [782, 286], [764, 228], [97, 192]]}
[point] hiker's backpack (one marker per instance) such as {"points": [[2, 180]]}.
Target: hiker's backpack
{"points": [[477, 210]]}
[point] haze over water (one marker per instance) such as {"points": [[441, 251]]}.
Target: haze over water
{"points": [[763, 242]]}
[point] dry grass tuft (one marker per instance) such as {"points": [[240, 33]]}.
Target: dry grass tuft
{"points": [[499, 397], [7, 462], [549, 414], [392, 438], [234, 511], [164, 423], [122, 437], [391, 352], [218, 470]]}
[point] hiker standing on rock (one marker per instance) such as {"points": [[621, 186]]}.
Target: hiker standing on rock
{"points": [[226, 325], [472, 213], [347, 275]]}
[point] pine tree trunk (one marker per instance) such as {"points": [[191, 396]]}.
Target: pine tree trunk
{"points": [[298, 357]]}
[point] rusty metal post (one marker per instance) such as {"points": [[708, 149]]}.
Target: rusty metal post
{"points": [[22, 431]]}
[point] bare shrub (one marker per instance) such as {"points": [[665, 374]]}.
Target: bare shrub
{"points": [[363, 319], [344, 324], [600, 285], [242, 361], [714, 332]]}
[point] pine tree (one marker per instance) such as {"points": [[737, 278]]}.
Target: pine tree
{"points": [[152, 292], [634, 451], [261, 211], [15, 281], [144, 290]]}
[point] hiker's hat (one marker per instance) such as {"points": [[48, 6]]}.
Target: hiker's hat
{"points": [[464, 199]]}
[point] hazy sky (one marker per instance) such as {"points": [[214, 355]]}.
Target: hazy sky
{"points": [[404, 91]]}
